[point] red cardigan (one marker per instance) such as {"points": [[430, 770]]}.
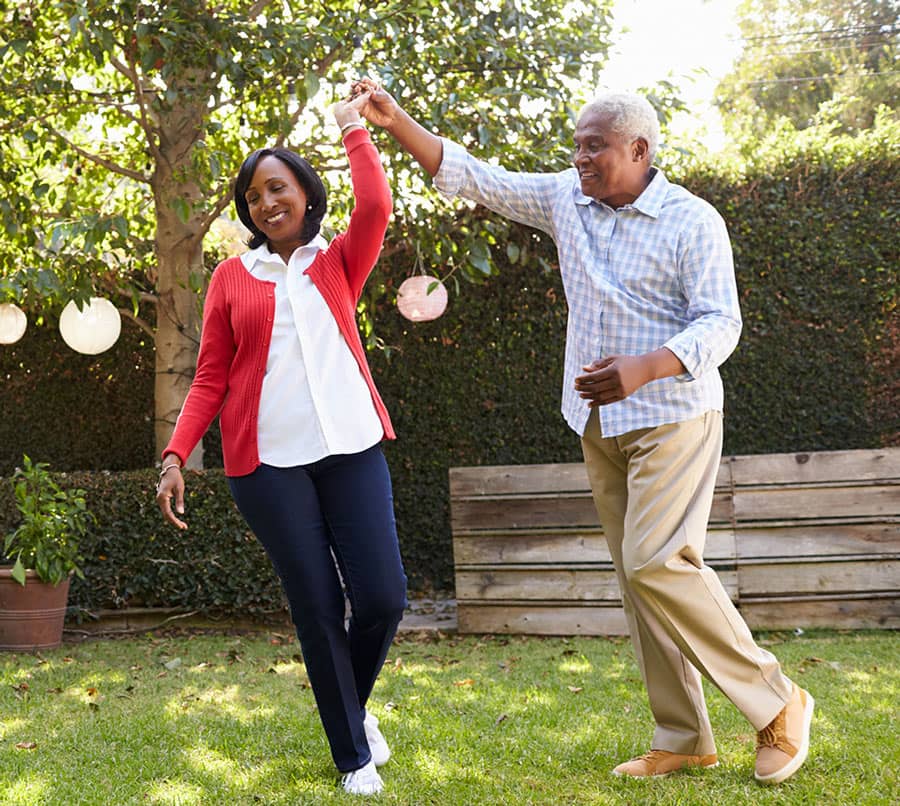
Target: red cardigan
{"points": [[239, 310]]}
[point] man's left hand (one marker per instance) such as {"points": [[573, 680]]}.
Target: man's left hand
{"points": [[612, 379]]}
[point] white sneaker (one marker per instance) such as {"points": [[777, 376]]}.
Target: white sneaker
{"points": [[377, 743], [364, 781]]}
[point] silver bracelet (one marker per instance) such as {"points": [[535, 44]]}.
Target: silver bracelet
{"points": [[167, 468], [352, 123]]}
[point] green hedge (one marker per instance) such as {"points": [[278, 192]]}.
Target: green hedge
{"points": [[816, 259], [133, 559], [76, 411]]}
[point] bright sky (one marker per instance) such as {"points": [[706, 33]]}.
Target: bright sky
{"points": [[691, 43]]}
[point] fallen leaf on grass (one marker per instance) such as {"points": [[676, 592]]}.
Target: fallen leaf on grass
{"points": [[26, 745], [575, 689], [500, 719], [467, 682], [173, 664], [92, 692], [398, 663]]}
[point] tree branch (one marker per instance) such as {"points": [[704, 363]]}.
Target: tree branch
{"points": [[218, 207], [256, 8], [114, 167], [145, 326]]}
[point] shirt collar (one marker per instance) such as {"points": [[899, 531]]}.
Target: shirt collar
{"points": [[649, 202], [255, 258]]}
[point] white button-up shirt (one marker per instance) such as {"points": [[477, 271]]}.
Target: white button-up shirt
{"points": [[314, 401], [655, 273]]}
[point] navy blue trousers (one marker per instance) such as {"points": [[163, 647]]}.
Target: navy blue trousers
{"points": [[339, 508]]}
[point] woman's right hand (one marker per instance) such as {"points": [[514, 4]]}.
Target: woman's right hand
{"points": [[171, 484]]}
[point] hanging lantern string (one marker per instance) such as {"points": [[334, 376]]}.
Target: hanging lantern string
{"points": [[419, 268]]}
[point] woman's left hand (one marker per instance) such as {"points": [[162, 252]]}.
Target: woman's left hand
{"points": [[346, 111]]}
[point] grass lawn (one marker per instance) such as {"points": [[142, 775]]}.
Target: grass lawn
{"points": [[182, 718]]}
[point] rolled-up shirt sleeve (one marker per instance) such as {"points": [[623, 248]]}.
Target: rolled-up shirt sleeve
{"points": [[524, 197], [706, 269]]}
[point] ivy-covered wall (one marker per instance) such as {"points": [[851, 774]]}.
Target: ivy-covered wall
{"points": [[816, 369]]}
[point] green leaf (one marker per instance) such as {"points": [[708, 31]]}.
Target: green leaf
{"points": [[311, 83], [182, 208], [120, 225], [18, 571]]}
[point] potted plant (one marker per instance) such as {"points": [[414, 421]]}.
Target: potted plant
{"points": [[43, 551]]}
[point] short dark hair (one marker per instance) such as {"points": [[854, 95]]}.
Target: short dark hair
{"points": [[316, 202]]}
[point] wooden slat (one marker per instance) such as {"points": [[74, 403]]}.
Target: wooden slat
{"points": [[844, 613], [522, 513], [574, 547], [564, 584], [519, 479], [757, 504], [541, 619], [818, 540], [580, 546], [534, 479], [848, 576], [561, 584], [543, 511], [819, 466]]}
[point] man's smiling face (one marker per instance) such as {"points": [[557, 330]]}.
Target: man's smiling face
{"points": [[612, 169]]}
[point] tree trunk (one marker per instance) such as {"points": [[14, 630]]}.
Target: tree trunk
{"points": [[177, 337], [179, 252]]}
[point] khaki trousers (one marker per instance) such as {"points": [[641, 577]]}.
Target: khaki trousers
{"points": [[653, 489]]}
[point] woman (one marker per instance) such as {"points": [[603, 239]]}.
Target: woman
{"points": [[281, 361]]}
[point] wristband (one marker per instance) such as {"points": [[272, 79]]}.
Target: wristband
{"points": [[352, 123]]}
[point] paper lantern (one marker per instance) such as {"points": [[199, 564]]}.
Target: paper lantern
{"points": [[12, 323], [93, 329], [414, 301]]}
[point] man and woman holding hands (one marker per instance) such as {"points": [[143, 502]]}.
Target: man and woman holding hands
{"points": [[653, 311]]}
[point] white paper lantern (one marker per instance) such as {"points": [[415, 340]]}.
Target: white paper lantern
{"points": [[12, 323], [414, 301], [93, 329]]}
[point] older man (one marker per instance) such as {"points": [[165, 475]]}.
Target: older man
{"points": [[653, 312]]}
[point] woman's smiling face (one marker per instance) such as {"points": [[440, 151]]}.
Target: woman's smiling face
{"points": [[277, 202]]}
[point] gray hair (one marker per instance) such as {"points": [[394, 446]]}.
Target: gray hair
{"points": [[630, 116]]}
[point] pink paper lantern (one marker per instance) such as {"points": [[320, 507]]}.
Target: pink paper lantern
{"points": [[416, 303]]}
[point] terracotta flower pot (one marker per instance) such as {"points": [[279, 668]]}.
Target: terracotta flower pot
{"points": [[31, 616]]}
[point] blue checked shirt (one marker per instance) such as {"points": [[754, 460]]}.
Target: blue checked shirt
{"points": [[654, 273]]}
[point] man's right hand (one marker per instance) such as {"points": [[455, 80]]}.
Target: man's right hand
{"points": [[381, 110]]}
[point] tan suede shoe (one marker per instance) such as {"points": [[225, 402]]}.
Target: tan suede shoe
{"points": [[662, 762], [782, 746]]}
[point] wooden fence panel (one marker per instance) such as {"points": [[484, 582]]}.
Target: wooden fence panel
{"points": [[805, 539]]}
